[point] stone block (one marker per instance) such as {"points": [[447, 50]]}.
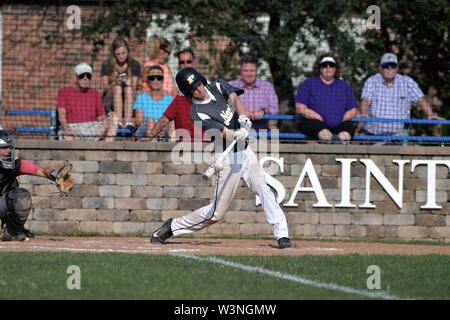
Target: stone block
{"points": [[163, 180], [132, 156], [178, 192], [145, 216], [115, 167], [146, 167], [102, 227], [98, 203], [367, 219], [146, 192], [160, 204], [429, 220], [128, 227], [382, 232], [129, 203], [398, 219], [240, 217], [115, 191], [255, 229], [222, 228], [413, 232]]}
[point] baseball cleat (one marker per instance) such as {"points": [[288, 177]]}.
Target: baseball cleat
{"points": [[163, 233], [284, 243], [19, 237]]}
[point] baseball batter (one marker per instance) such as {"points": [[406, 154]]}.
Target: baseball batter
{"points": [[217, 106]]}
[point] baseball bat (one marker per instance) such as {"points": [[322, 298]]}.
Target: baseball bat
{"points": [[210, 171]]}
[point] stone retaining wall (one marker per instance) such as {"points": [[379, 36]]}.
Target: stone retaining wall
{"points": [[128, 187]]}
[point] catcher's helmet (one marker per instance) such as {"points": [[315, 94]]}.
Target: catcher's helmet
{"points": [[188, 79], [6, 140]]}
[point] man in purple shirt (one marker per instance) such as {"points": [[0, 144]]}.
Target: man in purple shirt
{"points": [[326, 103], [259, 97]]}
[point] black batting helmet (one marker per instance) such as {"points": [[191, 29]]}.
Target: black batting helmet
{"points": [[6, 140], [188, 79]]}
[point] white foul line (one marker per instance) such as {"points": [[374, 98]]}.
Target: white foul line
{"points": [[295, 278]]}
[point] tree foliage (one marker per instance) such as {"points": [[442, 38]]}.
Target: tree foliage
{"points": [[416, 31]]}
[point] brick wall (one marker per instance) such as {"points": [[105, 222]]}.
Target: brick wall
{"points": [[33, 69], [131, 188]]}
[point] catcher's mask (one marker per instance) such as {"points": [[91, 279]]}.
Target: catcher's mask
{"points": [[7, 142], [188, 79]]}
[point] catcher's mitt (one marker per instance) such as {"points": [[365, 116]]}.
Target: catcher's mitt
{"points": [[62, 178]]}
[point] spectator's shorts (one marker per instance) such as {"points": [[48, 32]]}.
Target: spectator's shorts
{"points": [[88, 130]]}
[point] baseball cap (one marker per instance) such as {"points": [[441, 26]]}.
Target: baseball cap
{"points": [[327, 59], [82, 68], [388, 58]]}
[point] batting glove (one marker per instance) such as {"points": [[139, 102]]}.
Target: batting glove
{"points": [[245, 122], [240, 134], [217, 164]]}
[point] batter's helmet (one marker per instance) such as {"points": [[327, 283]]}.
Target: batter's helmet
{"points": [[6, 140], [188, 79]]}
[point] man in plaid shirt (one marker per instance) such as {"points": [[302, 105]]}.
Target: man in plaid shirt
{"points": [[389, 95]]}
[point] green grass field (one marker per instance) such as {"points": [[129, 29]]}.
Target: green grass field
{"points": [[136, 276]]}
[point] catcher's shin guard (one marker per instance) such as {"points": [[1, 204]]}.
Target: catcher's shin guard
{"points": [[163, 233], [19, 206]]}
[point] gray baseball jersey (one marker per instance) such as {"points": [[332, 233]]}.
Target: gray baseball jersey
{"points": [[216, 112]]}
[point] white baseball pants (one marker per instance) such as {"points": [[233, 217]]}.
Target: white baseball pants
{"points": [[245, 165]]}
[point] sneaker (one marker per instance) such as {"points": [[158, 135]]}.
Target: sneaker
{"points": [[163, 233], [28, 233], [131, 129], [284, 243], [19, 237]]}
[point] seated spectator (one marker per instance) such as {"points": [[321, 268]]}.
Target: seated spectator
{"points": [[151, 104], [179, 109], [81, 111], [326, 103], [388, 94], [158, 49], [260, 97], [120, 76]]}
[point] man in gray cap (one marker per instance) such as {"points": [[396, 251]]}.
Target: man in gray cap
{"points": [[390, 95]]}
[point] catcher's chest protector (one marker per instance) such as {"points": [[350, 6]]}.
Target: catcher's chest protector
{"points": [[8, 178]]}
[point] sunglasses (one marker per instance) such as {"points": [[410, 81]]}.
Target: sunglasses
{"points": [[327, 64], [167, 51], [185, 61], [389, 65], [88, 75], [153, 78]]}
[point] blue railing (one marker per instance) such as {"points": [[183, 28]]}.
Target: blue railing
{"points": [[53, 127], [47, 130], [364, 137]]}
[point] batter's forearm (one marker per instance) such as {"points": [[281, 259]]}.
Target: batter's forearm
{"points": [[238, 104], [159, 126]]}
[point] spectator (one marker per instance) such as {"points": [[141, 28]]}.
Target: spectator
{"points": [[151, 104], [259, 97], [120, 76], [326, 103], [388, 94], [179, 109], [81, 111], [158, 49]]}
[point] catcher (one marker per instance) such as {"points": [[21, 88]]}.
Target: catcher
{"points": [[15, 202]]}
